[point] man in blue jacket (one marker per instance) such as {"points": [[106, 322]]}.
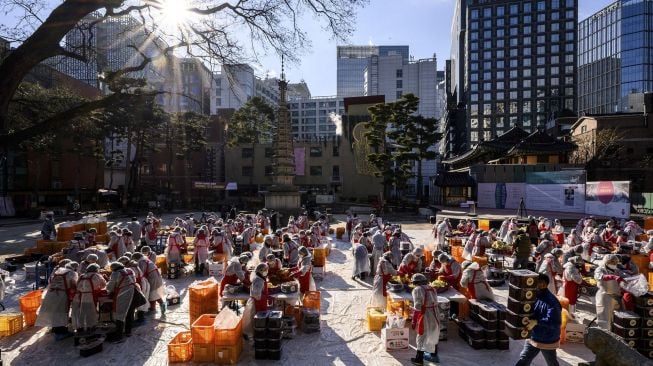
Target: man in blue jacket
{"points": [[545, 326]]}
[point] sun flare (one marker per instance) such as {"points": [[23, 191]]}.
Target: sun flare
{"points": [[174, 13]]}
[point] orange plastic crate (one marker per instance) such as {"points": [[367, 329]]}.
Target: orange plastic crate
{"points": [[319, 253], [30, 318], [203, 352], [188, 258], [227, 328], [31, 301], [10, 324], [457, 254], [202, 329], [295, 312], [319, 261], [311, 300], [228, 355], [201, 291], [180, 348]]}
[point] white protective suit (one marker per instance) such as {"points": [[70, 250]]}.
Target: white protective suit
{"points": [[383, 268], [378, 246], [473, 276], [290, 252], [425, 299], [255, 293], [361, 260], [441, 232], [173, 249], [145, 286], [135, 228], [608, 296], [263, 253], [121, 287], [128, 244], [151, 273], [551, 266], [469, 246], [395, 248], [116, 246], [56, 301], [201, 254], [84, 307]]}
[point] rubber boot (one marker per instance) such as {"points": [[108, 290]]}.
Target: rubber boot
{"points": [[419, 358], [433, 357]]}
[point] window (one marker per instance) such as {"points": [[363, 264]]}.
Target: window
{"points": [[336, 150], [335, 171], [247, 171], [315, 170], [269, 152], [400, 84], [487, 123], [473, 123], [487, 108], [473, 136], [475, 14], [474, 25], [269, 170], [315, 152], [400, 73], [526, 107], [500, 10], [399, 93], [513, 107], [247, 152], [487, 12]]}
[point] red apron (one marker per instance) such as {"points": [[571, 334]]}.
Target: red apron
{"points": [[116, 291], [560, 238], [553, 277], [386, 278], [262, 304], [472, 288], [228, 280], [407, 269], [304, 279], [94, 292], [419, 329], [571, 291], [70, 292]]}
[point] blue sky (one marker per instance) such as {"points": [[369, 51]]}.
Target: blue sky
{"points": [[424, 25]]}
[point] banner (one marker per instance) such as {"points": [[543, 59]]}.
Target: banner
{"points": [[555, 197], [300, 153], [500, 195], [557, 177], [608, 198]]}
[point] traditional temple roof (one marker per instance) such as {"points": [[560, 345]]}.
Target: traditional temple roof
{"points": [[496, 147], [538, 143], [514, 142]]}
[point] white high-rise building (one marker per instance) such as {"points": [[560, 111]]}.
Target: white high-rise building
{"points": [[316, 117]]}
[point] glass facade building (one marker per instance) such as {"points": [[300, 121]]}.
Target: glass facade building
{"points": [[513, 63], [352, 62], [615, 56]]}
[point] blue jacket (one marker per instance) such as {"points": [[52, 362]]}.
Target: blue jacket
{"points": [[548, 313]]}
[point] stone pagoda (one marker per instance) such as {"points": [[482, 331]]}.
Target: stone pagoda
{"points": [[283, 195]]}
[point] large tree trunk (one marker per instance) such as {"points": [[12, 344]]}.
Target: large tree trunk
{"points": [[41, 45]]}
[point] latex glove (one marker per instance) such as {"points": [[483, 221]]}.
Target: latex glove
{"points": [[531, 324]]}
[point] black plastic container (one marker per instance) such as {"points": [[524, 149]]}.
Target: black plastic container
{"points": [[521, 293], [520, 307]]}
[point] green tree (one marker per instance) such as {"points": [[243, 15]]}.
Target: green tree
{"points": [[415, 137], [376, 136], [252, 124]]}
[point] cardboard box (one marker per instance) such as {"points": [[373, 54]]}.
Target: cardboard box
{"points": [[216, 269], [574, 332], [395, 338]]}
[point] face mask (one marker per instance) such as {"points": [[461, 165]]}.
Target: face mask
{"points": [[612, 266], [264, 273]]}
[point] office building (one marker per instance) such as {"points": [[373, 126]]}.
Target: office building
{"points": [[393, 76], [513, 63], [615, 56], [352, 62], [315, 118]]}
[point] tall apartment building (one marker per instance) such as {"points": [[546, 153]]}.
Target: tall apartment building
{"points": [[513, 63], [236, 84], [615, 56], [316, 117], [392, 76], [352, 62]]}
